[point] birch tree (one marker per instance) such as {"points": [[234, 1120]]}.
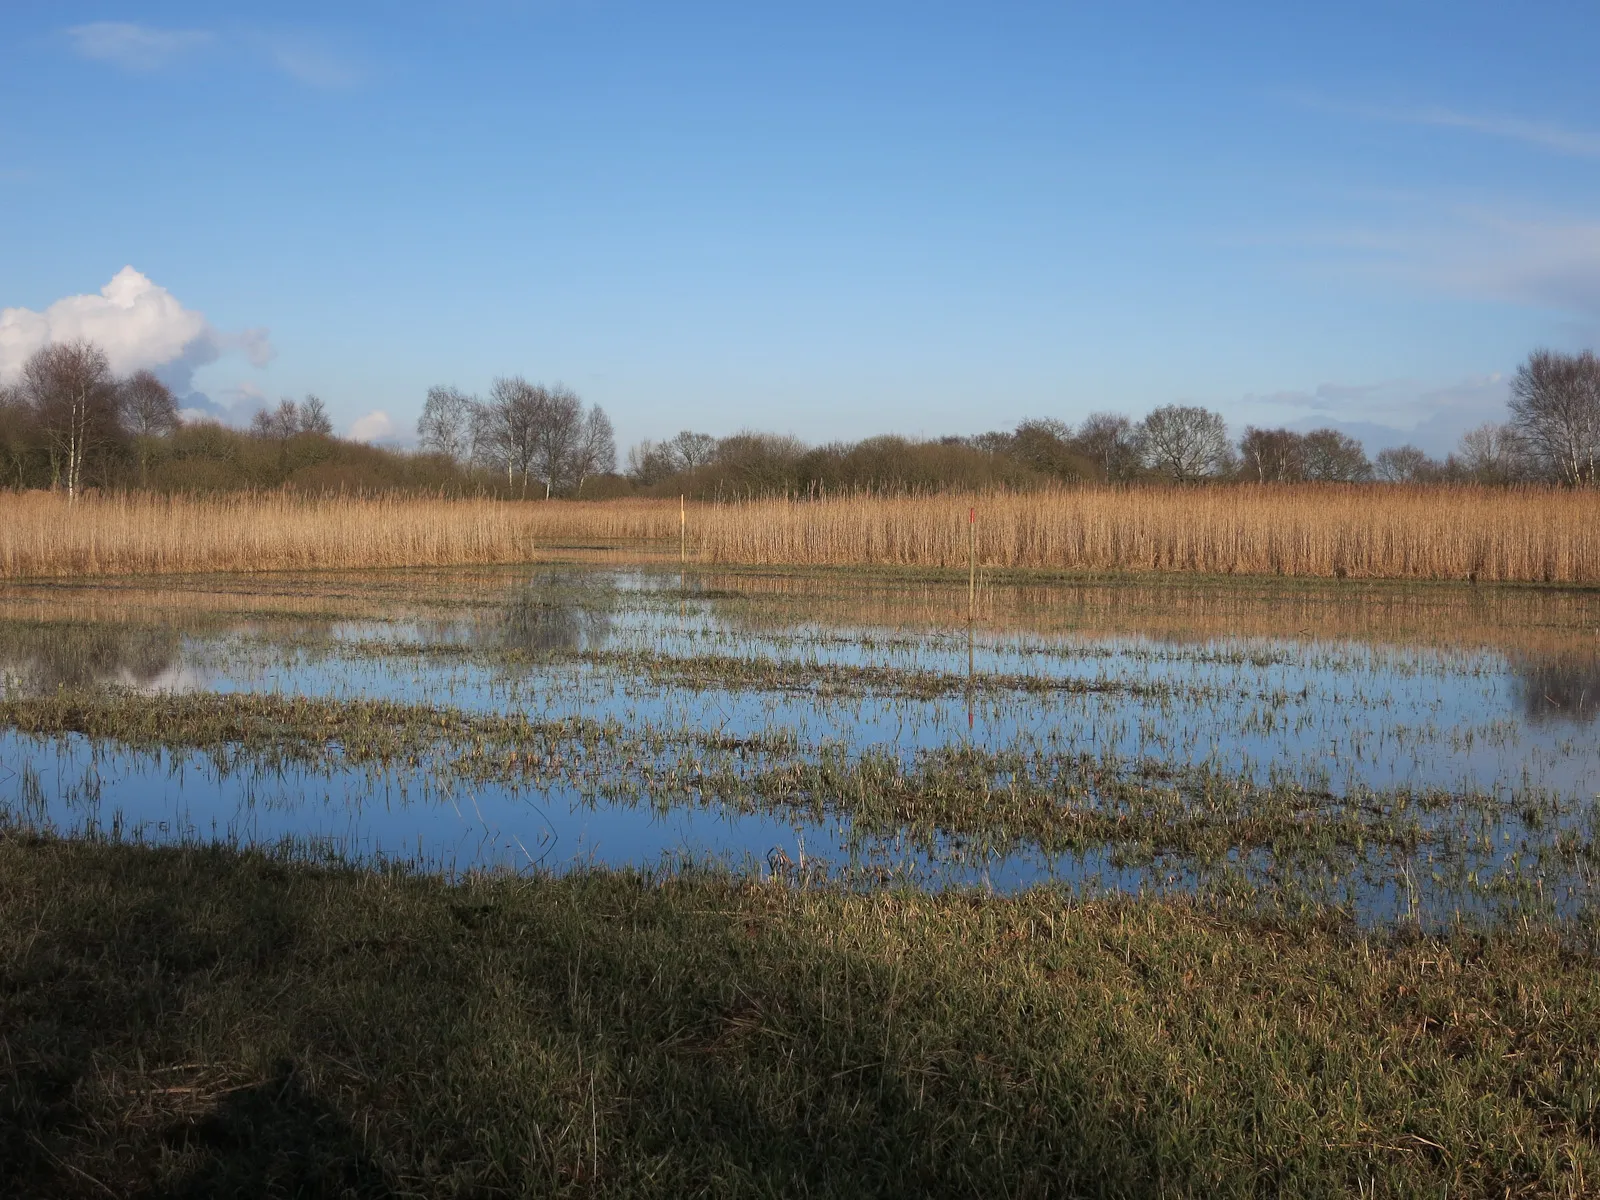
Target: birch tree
{"points": [[74, 399], [1555, 414]]}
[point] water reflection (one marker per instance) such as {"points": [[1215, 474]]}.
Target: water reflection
{"points": [[38, 658], [1560, 691], [842, 671], [542, 622]]}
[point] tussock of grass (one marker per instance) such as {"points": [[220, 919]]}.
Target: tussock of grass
{"points": [[194, 1022]]}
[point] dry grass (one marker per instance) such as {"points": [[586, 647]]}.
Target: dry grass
{"points": [[42, 535], [1531, 535], [1490, 534]]}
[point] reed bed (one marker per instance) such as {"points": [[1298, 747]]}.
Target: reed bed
{"points": [[1311, 531], [1489, 534], [44, 535]]}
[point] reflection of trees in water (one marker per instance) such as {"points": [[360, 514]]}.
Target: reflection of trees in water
{"points": [[44, 657], [552, 615], [1568, 691]]}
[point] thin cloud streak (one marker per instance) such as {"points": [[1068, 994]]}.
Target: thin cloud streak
{"points": [[310, 63], [146, 50], [135, 47], [1572, 143]]}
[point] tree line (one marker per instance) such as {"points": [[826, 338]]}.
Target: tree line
{"points": [[68, 422], [1551, 435]]}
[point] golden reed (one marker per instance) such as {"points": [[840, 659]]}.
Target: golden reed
{"points": [[1532, 535], [44, 535], [1315, 530]]}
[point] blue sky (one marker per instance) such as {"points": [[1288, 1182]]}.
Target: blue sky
{"points": [[825, 219]]}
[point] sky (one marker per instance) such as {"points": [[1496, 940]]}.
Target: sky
{"points": [[825, 219]]}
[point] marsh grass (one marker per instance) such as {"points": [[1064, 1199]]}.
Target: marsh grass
{"points": [[959, 805], [187, 1022]]}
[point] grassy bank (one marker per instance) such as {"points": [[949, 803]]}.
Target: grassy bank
{"points": [[1294, 531], [192, 1022]]}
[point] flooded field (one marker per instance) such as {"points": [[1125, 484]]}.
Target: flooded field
{"points": [[1401, 754]]}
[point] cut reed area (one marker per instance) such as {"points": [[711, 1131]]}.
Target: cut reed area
{"points": [[188, 1022], [1330, 531]]}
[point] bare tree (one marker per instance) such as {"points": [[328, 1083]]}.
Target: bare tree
{"points": [[559, 422], [74, 399], [1555, 413], [1109, 440], [650, 462], [1334, 457], [693, 449], [445, 426], [314, 417], [1404, 464], [1046, 445], [148, 405], [1272, 455], [150, 411], [596, 450], [483, 447], [1185, 442], [19, 435], [1491, 453], [281, 423], [515, 412]]}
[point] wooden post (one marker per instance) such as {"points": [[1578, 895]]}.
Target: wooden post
{"points": [[683, 533], [972, 565]]}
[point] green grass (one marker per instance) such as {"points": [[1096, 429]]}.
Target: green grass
{"points": [[192, 1022]]}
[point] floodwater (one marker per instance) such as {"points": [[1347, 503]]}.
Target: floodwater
{"points": [[1465, 718]]}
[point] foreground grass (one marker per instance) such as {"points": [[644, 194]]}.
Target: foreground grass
{"points": [[195, 1022]]}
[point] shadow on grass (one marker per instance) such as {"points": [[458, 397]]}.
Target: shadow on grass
{"points": [[272, 1139], [187, 1023]]}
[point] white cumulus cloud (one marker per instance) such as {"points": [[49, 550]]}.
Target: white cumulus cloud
{"points": [[376, 426], [136, 47], [138, 323]]}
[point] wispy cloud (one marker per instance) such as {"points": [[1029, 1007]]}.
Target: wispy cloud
{"points": [[1544, 135], [1549, 263], [1575, 143], [310, 62], [1387, 413], [135, 47], [302, 57]]}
